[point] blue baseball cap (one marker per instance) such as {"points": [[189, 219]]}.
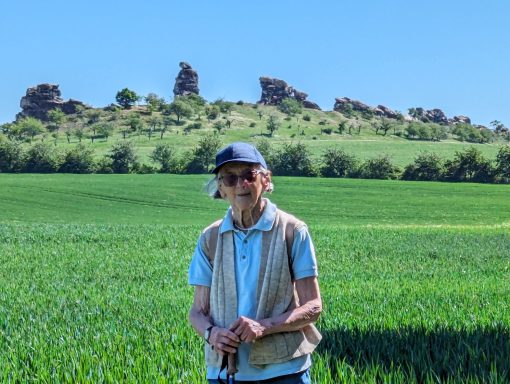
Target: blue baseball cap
{"points": [[241, 152]]}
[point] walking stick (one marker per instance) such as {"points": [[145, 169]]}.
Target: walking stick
{"points": [[231, 368]]}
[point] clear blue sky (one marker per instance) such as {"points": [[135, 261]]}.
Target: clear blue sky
{"points": [[449, 54]]}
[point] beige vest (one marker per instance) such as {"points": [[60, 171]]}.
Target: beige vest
{"points": [[275, 291]]}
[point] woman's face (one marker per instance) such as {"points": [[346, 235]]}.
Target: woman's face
{"points": [[243, 194]]}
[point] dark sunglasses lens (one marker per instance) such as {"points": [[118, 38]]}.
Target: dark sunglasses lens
{"points": [[230, 180]]}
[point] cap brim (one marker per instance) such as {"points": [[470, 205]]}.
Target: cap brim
{"points": [[240, 160]]}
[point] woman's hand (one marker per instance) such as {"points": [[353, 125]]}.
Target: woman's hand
{"points": [[223, 340], [247, 329]]}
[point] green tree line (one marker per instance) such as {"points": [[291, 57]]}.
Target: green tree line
{"points": [[287, 160]]}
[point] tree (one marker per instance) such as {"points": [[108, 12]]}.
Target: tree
{"points": [[79, 133], [290, 106], [272, 125], [497, 125], [105, 130], [338, 163], [469, 165], [153, 124], [30, 127], [502, 168], [154, 102], [123, 157], [224, 106], [181, 109], [202, 156], [164, 155], [126, 98], [134, 122], [93, 116], [212, 112], [56, 117], [342, 126], [79, 159], [426, 166]]}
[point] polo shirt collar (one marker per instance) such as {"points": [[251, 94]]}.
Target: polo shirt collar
{"points": [[265, 222]]}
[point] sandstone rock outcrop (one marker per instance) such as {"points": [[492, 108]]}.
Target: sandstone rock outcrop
{"points": [[384, 111], [43, 98], [460, 120], [275, 90], [429, 116], [186, 81], [346, 105]]}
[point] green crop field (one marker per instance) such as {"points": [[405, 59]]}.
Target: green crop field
{"points": [[415, 278]]}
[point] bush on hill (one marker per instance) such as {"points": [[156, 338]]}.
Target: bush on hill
{"points": [[469, 165], [426, 167], [380, 167], [293, 160], [123, 157], [42, 158], [338, 163], [12, 156], [79, 159]]}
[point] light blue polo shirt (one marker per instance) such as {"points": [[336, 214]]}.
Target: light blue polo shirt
{"points": [[248, 247]]}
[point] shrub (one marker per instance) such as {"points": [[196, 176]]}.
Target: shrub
{"points": [[79, 159], [502, 168], [307, 118], [338, 163], [123, 157], [380, 167], [293, 160], [164, 155], [253, 124], [264, 147], [12, 156], [240, 102], [42, 158], [290, 106], [469, 165], [426, 167], [327, 131]]}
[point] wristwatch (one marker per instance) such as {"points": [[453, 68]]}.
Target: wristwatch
{"points": [[207, 333]]}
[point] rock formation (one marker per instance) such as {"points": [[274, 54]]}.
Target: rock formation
{"points": [[460, 120], [275, 90], [43, 98], [384, 111], [428, 116], [186, 81], [436, 116]]}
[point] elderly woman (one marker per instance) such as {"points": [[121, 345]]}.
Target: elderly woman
{"points": [[255, 278]]}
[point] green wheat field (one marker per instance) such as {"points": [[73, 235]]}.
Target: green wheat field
{"points": [[415, 278]]}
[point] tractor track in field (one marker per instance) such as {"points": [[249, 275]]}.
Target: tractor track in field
{"points": [[111, 198]]}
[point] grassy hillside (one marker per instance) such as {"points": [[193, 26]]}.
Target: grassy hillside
{"points": [[248, 122], [179, 199]]}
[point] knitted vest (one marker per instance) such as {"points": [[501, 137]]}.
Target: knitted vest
{"points": [[275, 291]]}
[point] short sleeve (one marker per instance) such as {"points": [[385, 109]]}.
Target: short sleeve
{"points": [[304, 262], [200, 269]]}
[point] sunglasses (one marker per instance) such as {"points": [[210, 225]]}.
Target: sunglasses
{"points": [[230, 180]]}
